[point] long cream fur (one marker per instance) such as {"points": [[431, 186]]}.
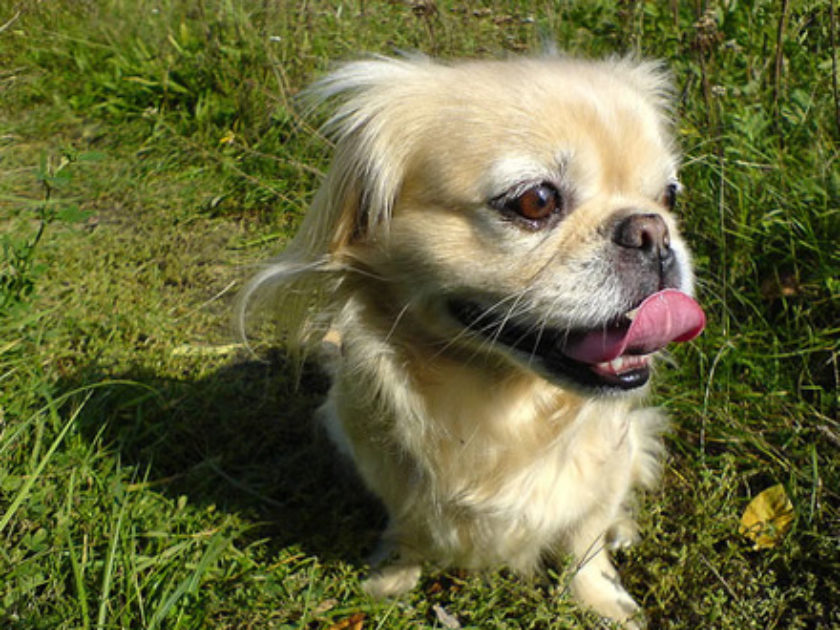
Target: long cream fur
{"points": [[480, 460]]}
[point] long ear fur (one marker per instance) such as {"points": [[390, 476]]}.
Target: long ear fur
{"points": [[354, 201]]}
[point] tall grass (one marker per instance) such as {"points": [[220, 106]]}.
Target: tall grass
{"points": [[153, 475]]}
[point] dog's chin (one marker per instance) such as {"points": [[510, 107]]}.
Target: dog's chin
{"points": [[541, 349]]}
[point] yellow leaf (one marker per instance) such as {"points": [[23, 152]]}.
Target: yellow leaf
{"points": [[768, 517], [355, 621], [228, 138]]}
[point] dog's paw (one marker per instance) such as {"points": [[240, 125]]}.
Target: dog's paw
{"points": [[637, 619], [599, 588], [620, 607], [391, 580], [622, 534]]}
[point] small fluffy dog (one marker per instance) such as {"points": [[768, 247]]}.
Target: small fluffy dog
{"points": [[488, 268]]}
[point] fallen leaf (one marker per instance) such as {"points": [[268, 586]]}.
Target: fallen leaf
{"points": [[324, 606], [446, 619], [228, 138], [353, 622], [768, 517]]}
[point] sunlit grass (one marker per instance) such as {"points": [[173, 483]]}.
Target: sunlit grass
{"points": [[153, 475]]}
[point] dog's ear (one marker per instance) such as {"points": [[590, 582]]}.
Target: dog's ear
{"points": [[650, 77], [369, 125], [375, 114]]}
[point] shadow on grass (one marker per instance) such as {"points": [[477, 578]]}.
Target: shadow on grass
{"points": [[244, 440]]}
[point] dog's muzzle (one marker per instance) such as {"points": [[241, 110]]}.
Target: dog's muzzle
{"points": [[615, 355]]}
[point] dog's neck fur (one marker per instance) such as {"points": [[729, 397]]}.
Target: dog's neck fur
{"points": [[450, 406]]}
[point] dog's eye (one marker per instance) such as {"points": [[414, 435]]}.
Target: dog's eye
{"points": [[536, 204], [669, 197]]}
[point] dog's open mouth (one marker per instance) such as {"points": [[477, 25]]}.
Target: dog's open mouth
{"points": [[615, 355]]}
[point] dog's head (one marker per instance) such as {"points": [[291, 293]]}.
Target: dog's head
{"points": [[521, 207]]}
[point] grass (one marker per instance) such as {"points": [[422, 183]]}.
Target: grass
{"points": [[152, 474]]}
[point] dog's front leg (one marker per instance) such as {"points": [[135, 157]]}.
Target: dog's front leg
{"points": [[395, 570], [392, 580], [596, 583]]}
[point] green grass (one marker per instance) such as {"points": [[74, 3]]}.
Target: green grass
{"points": [[153, 475]]}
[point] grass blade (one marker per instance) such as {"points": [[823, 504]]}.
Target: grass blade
{"points": [[31, 479]]}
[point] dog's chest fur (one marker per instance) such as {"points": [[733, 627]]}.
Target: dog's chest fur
{"points": [[508, 463]]}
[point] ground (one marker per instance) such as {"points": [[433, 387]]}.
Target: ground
{"points": [[155, 474]]}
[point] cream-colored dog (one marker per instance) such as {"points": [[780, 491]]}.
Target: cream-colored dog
{"points": [[493, 261]]}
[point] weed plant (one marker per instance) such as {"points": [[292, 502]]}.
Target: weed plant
{"points": [[155, 475]]}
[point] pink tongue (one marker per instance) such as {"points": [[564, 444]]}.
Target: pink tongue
{"points": [[666, 316]]}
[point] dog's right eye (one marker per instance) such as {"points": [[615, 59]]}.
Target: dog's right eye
{"points": [[534, 206]]}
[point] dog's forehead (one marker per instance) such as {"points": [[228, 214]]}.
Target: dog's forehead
{"points": [[591, 129]]}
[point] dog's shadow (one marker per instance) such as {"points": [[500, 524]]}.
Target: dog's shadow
{"points": [[244, 440]]}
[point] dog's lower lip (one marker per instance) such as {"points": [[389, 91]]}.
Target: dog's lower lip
{"points": [[628, 371]]}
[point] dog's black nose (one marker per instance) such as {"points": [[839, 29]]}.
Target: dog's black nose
{"points": [[645, 232]]}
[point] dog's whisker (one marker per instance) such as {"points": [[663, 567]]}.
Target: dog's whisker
{"points": [[397, 319], [472, 331], [500, 325], [490, 341]]}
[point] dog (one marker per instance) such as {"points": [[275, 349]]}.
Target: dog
{"points": [[488, 271]]}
